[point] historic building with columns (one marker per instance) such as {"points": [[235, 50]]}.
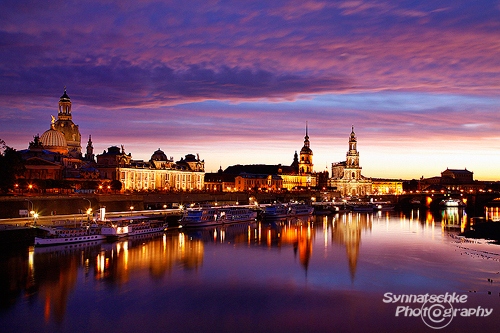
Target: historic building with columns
{"points": [[159, 173]]}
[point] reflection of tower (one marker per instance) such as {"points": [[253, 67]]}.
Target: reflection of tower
{"points": [[348, 232], [305, 247], [306, 154], [65, 125]]}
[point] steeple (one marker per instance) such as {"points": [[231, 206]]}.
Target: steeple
{"points": [[352, 141], [305, 163], [306, 138], [64, 106], [65, 125], [352, 157], [89, 156]]}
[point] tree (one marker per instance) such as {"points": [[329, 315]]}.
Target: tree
{"points": [[11, 166], [116, 185]]}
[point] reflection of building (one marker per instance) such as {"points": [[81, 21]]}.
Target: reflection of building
{"points": [[159, 173], [346, 176], [348, 232]]}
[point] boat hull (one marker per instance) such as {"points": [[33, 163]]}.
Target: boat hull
{"points": [[50, 241]]}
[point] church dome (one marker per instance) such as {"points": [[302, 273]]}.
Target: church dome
{"points": [[159, 155], [52, 139], [65, 97]]}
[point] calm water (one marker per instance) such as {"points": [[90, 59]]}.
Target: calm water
{"points": [[323, 274]]}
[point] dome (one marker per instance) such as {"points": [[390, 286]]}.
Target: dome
{"points": [[52, 138], [159, 155], [65, 97]]}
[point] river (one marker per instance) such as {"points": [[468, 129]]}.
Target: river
{"points": [[356, 272]]}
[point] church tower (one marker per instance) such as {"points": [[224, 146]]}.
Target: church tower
{"points": [[65, 125], [352, 169], [89, 156], [306, 154]]}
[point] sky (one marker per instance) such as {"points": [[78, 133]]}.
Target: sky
{"points": [[237, 81]]}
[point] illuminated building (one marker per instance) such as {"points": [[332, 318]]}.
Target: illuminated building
{"points": [[64, 124], [56, 154], [387, 186], [346, 176], [264, 177], [452, 180], [159, 173]]}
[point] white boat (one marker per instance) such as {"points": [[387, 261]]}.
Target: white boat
{"points": [[114, 231], [200, 217], [207, 216], [234, 214], [452, 203], [146, 227], [68, 235], [300, 209]]}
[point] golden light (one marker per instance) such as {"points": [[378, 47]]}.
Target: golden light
{"points": [[131, 207], [30, 186]]}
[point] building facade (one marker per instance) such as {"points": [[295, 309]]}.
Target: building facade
{"points": [[386, 186], [159, 173], [346, 175]]}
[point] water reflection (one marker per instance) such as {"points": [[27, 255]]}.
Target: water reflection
{"points": [[346, 231], [330, 250]]}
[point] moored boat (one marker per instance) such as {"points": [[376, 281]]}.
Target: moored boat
{"points": [[234, 214], [279, 210], [452, 203], [362, 207], [300, 209], [146, 227], [200, 217], [207, 216], [68, 235], [275, 211]]}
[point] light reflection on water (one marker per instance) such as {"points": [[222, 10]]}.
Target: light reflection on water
{"points": [[238, 271]]}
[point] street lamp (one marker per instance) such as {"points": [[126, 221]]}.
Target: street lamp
{"points": [[131, 209], [89, 210], [31, 212]]}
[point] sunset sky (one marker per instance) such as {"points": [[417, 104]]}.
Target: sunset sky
{"points": [[236, 81]]}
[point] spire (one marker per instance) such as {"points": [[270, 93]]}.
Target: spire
{"points": [[306, 138]]}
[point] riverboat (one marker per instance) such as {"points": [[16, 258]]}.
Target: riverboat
{"points": [[146, 227], [300, 209], [207, 216], [362, 207], [275, 211], [452, 203], [200, 217], [234, 214], [67, 235], [279, 210]]}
